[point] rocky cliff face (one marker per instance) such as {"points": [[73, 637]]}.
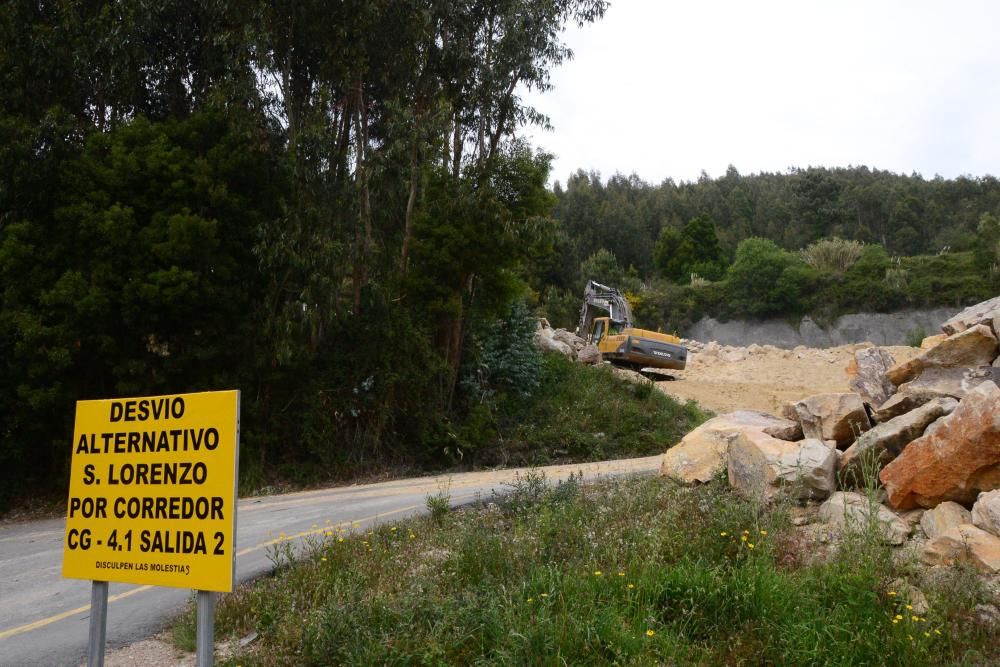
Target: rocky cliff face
{"points": [[878, 328]]}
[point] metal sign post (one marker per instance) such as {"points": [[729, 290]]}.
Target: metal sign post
{"points": [[98, 623], [206, 629]]}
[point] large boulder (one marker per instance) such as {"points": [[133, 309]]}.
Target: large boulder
{"points": [[571, 339], [869, 379], [589, 354], [986, 512], [985, 312], [975, 346], [702, 453], [546, 342], [954, 382], [854, 511], [965, 544], [930, 341], [937, 381], [885, 441], [944, 517], [839, 417], [760, 465], [903, 402], [957, 456]]}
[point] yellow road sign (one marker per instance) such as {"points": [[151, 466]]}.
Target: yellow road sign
{"points": [[152, 492]]}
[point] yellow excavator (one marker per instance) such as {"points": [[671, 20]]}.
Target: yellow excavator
{"points": [[618, 340]]}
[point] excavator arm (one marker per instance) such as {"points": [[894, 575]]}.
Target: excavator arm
{"points": [[600, 300]]}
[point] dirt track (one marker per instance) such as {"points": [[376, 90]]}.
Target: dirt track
{"points": [[767, 377]]}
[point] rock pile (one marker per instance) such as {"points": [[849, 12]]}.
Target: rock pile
{"points": [[927, 429], [566, 343]]}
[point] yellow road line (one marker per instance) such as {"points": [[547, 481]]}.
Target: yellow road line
{"points": [[41, 623], [322, 529], [66, 614]]}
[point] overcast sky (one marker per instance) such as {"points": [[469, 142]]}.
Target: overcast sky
{"points": [[666, 88]]}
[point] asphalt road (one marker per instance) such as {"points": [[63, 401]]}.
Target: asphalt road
{"points": [[44, 619]]}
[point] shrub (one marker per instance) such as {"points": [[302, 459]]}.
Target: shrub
{"points": [[833, 255], [896, 278], [766, 280]]}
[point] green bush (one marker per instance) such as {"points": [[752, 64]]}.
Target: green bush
{"points": [[765, 280], [584, 413], [833, 255]]}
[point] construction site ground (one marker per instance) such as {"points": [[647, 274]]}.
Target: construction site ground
{"points": [[767, 377]]}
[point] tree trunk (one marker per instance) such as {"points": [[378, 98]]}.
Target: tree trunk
{"points": [[410, 204], [363, 234]]}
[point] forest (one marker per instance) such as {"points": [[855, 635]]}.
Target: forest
{"points": [[328, 206], [819, 241]]}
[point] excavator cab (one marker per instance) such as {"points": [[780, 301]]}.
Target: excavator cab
{"points": [[598, 329]]}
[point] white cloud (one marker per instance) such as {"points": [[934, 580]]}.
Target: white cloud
{"points": [[668, 89]]}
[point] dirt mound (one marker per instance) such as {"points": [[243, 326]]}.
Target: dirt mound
{"points": [[762, 377]]}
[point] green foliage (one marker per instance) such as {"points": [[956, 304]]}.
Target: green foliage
{"points": [[561, 307], [438, 505], [693, 250], [635, 571], [582, 413], [603, 267], [987, 249], [832, 255], [139, 280], [505, 358], [906, 214], [915, 336], [766, 280]]}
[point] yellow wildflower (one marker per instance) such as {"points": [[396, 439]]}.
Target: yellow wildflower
{"points": [[531, 599], [723, 534], [597, 573], [936, 631], [543, 595], [915, 618], [909, 606], [898, 617], [392, 530], [340, 539], [891, 593], [631, 586], [323, 559], [621, 574], [650, 633], [763, 532], [750, 544], [743, 537], [894, 621]]}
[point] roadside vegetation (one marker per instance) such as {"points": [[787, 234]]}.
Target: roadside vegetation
{"points": [[585, 413], [633, 571]]}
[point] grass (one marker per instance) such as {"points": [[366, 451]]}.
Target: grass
{"points": [[638, 572], [585, 413]]}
